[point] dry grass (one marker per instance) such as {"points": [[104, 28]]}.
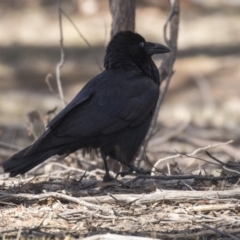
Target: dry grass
{"points": [[191, 193], [67, 202]]}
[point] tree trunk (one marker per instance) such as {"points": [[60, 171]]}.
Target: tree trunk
{"points": [[123, 15]]}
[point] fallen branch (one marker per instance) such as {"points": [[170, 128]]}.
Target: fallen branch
{"points": [[212, 207], [182, 196], [189, 155], [176, 196]]}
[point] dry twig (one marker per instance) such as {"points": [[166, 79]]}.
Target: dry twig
{"points": [[84, 39], [189, 155], [62, 56], [21, 196], [166, 69], [221, 232]]}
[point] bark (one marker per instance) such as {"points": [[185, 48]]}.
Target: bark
{"points": [[123, 15]]}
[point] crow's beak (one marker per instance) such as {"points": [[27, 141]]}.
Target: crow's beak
{"points": [[156, 48]]}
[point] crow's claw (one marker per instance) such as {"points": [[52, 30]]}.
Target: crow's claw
{"points": [[132, 169]]}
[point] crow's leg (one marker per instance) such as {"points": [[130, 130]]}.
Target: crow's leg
{"points": [[131, 169], [107, 177]]}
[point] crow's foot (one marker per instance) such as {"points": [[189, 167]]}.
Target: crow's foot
{"points": [[132, 169], [108, 178]]}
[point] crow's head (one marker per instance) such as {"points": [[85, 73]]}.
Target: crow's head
{"points": [[128, 47]]}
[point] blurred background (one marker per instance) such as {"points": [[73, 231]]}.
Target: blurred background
{"points": [[204, 92]]}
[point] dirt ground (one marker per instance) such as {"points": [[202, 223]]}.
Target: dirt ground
{"points": [[200, 112]]}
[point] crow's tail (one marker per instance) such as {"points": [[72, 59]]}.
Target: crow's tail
{"points": [[22, 162]]}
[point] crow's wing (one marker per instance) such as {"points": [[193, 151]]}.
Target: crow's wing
{"points": [[106, 105], [80, 98]]}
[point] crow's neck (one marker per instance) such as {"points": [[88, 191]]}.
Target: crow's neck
{"points": [[149, 68], [146, 67]]}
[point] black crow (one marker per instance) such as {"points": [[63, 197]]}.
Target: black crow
{"points": [[112, 112]]}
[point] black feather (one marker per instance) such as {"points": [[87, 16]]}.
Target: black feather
{"points": [[112, 112]]}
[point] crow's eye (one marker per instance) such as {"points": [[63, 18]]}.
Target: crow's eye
{"points": [[141, 44]]}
